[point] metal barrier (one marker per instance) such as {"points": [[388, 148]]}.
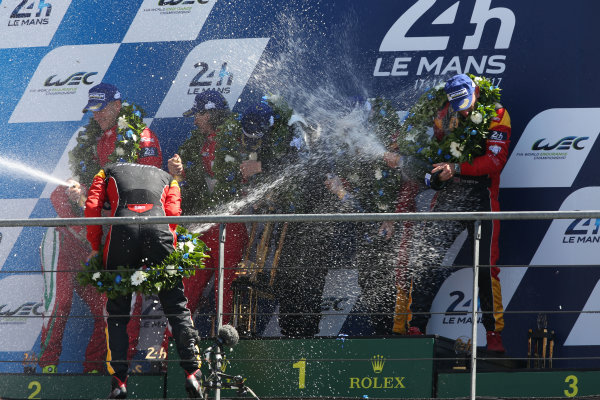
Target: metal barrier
{"points": [[475, 217]]}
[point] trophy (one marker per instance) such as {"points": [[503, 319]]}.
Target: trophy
{"points": [[254, 280], [540, 344], [462, 347]]}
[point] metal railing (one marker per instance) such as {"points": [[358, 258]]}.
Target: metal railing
{"points": [[475, 217]]}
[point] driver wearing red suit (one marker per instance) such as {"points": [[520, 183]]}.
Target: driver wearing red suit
{"points": [[105, 103], [474, 187]]}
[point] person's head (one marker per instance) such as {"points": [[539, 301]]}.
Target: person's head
{"points": [[256, 122], [209, 110], [462, 93], [104, 100]]}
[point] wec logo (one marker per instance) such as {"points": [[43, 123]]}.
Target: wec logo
{"points": [[177, 2], [565, 143], [72, 80], [25, 9], [397, 39]]}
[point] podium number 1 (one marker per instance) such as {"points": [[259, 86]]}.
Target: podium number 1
{"points": [[301, 365]]}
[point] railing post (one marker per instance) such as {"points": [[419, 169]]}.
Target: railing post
{"points": [[475, 302], [221, 276]]}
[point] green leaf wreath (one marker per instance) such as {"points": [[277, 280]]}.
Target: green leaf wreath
{"points": [[466, 141], [150, 279], [226, 168], [229, 155], [83, 159]]}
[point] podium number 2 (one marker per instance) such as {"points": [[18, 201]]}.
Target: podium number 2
{"points": [[34, 385], [573, 385], [301, 365]]}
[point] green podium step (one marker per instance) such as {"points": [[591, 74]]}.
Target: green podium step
{"points": [[89, 386], [523, 383], [326, 367], [393, 367]]}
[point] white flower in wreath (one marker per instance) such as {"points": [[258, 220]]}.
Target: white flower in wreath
{"points": [[122, 122], [456, 149], [440, 85], [476, 117], [171, 269], [134, 138], [354, 178], [253, 156], [477, 80], [378, 174], [382, 207], [138, 277], [119, 151], [275, 99], [96, 276], [228, 158]]}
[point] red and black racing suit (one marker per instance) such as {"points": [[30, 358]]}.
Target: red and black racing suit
{"points": [[137, 190], [72, 247], [475, 189]]}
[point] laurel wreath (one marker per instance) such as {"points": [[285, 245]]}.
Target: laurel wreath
{"points": [[229, 155], [83, 159], [150, 279], [463, 143]]}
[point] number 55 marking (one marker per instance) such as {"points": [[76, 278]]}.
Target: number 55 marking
{"points": [[301, 365], [572, 385]]}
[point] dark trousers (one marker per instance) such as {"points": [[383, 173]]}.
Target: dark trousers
{"points": [[174, 304], [134, 245]]}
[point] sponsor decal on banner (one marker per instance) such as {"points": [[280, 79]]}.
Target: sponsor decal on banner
{"points": [[58, 90], [397, 40], [574, 241], [224, 65], [453, 303], [456, 296], [21, 309], [30, 23], [378, 380], [552, 149], [168, 20]]}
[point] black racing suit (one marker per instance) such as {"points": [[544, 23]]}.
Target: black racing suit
{"points": [[138, 190]]}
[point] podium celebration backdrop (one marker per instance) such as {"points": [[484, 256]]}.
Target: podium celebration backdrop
{"points": [[160, 53]]}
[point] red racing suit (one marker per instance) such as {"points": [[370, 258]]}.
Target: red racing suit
{"points": [[72, 250], [235, 243], [476, 188]]}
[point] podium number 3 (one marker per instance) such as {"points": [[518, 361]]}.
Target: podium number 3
{"points": [[572, 380], [301, 365]]}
